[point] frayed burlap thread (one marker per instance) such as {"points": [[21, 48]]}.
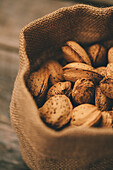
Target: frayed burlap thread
{"points": [[72, 148]]}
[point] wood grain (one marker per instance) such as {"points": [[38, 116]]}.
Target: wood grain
{"points": [[10, 156]]}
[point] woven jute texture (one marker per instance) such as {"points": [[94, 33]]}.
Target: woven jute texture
{"points": [[71, 148]]}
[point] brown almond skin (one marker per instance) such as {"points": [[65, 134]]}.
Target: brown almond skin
{"points": [[76, 65], [97, 54], [60, 88], [107, 121], [109, 71], [110, 55], [55, 71], [101, 70], [56, 111], [101, 100], [38, 84], [85, 115], [106, 86], [79, 51], [75, 71], [83, 91], [70, 55], [111, 113]]}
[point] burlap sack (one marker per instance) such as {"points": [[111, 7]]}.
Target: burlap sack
{"points": [[41, 147]]}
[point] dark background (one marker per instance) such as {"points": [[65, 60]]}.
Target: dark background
{"points": [[14, 14]]}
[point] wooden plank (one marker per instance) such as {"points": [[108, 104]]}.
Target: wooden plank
{"points": [[10, 156], [14, 15], [98, 3]]}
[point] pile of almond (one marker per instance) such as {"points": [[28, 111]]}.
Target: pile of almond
{"points": [[78, 94]]}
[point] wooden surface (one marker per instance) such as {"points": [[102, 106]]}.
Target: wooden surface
{"points": [[14, 14]]}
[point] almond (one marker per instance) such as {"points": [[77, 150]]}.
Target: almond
{"points": [[60, 88], [109, 71], [111, 113], [55, 71], [106, 120], [101, 100], [110, 55], [101, 70], [70, 55], [56, 111], [80, 53], [106, 86], [97, 54], [83, 91], [75, 71], [85, 115], [38, 84]]}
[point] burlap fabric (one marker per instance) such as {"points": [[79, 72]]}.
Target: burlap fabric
{"points": [[41, 147]]}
